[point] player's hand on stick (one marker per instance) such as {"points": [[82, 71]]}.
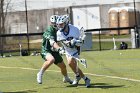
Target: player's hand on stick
{"points": [[61, 51], [75, 42]]}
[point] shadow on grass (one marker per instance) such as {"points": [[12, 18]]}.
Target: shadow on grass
{"points": [[99, 85], [14, 92], [28, 91], [105, 85]]}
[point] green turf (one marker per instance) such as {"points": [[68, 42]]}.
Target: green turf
{"points": [[16, 77], [110, 36]]}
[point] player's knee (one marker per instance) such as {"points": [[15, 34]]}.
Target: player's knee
{"points": [[51, 61]]}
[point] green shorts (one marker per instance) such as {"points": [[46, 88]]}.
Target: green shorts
{"points": [[56, 55]]}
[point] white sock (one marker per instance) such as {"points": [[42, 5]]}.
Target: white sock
{"points": [[41, 71]]}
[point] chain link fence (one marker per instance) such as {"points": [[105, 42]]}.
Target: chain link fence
{"points": [[25, 25]]}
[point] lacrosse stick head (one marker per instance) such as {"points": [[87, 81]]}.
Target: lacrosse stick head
{"points": [[83, 62], [82, 34]]}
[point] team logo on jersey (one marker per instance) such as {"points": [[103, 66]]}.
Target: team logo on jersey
{"points": [[69, 38]]}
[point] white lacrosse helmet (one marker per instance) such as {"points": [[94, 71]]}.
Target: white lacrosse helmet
{"points": [[63, 19], [53, 18]]}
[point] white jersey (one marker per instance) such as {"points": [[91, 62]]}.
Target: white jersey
{"points": [[73, 32]]}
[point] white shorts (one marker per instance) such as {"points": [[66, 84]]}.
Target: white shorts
{"points": [[72, 53]]}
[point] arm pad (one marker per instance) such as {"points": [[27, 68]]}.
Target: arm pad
{"points": [[52, 42]]}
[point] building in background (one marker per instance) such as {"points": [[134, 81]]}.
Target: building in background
{"points": [[89, 14]]}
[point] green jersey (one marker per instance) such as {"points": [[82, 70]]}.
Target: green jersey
{"points": [[49, 33]]}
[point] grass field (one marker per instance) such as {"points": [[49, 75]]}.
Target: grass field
{"points": [[112, 71]]}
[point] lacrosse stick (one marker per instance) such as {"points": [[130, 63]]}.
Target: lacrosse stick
{"points": [[82, 34], [82, 61]]}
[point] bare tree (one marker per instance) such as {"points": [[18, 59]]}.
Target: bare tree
{"points": [[3, 12]]}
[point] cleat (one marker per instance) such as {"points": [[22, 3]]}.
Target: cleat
{"points": [[39, 78], [87, 82], [65, 80], [76, 81]]}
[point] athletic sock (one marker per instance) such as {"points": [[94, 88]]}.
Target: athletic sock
{"points": [[41, 71]]}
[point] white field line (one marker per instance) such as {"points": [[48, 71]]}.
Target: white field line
{"points": [[107, 76], [114, 77]]}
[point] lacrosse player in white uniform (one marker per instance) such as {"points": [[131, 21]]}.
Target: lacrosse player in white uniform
{"points": [[69, 35]]}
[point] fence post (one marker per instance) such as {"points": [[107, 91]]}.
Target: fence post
{"points": [[136, 36], [26, 11], [100, 40], [133, 39]]}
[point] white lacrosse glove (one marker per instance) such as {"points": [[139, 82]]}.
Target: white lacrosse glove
{"points": [[75, 42], [61, 51]]}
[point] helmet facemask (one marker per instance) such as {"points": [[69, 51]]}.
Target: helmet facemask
{"points": [[62, 22]]}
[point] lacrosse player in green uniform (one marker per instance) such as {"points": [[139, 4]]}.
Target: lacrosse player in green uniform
{"points": [[51, 52]]}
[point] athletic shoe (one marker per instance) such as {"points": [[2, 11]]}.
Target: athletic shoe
{"points": [[76, 81], [87, 82], [39, 78], [65, 80]]}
